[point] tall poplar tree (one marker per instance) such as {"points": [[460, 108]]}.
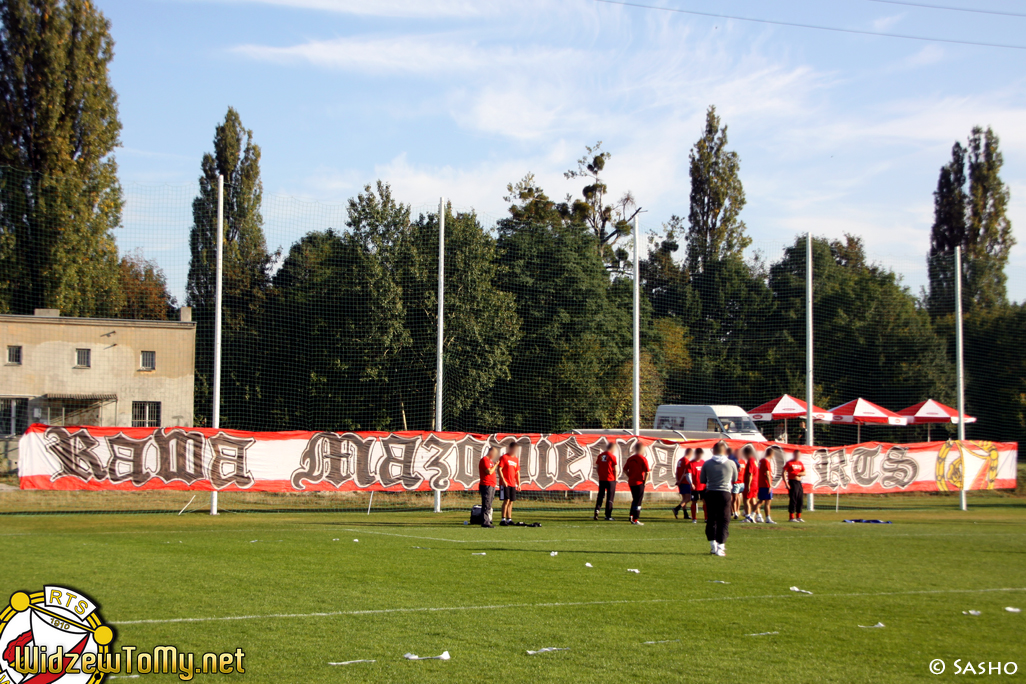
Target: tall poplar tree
{"points": [[970, 206], [60, 199], [247, 269]]}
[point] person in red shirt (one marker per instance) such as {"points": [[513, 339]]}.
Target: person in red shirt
{"points": [[509, 479], [683, 485], [738, 490], [697, 488], [751, 480], [794, 471], [636, 469], [766, 485], [605, 471], [486, 469]]}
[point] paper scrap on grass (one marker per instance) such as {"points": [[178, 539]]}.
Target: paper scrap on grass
{"points": [[356, 540], [664, 641], [554, 553], [588, 565], [478, 554], [548, 649], [800, 591], [719, 582], [971, 612], [444, 656], [762, 634], [879, 624], [335, 539], [634, 570], [353, 662], [1013, 610]]}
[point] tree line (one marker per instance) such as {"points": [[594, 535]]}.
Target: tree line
{"points": [[339, 331]]}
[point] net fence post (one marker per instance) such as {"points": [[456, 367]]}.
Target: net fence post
{"points": [[637, 337], [809, 438], [215, 421], [441, 331], [960, 373]]}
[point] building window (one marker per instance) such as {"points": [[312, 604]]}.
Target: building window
{"points": [[83, 358], [14, 355], [145, 414], [149, 360]]}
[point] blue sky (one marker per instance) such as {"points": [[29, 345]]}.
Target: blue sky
{"points": [[836, 132]]}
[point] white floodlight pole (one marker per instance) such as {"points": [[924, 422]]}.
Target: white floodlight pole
{"points": [[808, 352], [960, 371], [215, 421], [441, 331], [637, 335]]}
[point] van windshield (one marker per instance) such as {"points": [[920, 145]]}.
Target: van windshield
{"points": [[737, 424]]}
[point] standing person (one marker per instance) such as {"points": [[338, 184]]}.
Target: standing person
{"points": [[718, 475], [765, 486], [683, 486], [637, 470], [509, 477], [794, 471], [697, 488], [605, 470], [738, 491], [751, 485], [486, 468]]}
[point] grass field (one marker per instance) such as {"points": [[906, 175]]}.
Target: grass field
{"points": [[305, 593]]}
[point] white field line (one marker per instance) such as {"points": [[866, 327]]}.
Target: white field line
{"points": [[562, 604]]}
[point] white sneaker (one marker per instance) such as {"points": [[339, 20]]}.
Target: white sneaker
{"points": [[770, 521], [721, 550], [713, 548], [758, 518]]}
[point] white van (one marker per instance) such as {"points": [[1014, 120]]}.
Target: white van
{"points": [[730, 421]]}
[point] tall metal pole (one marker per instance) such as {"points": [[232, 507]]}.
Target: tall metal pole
{"points": [[637, 335], [441, 332], [809, 440], [215, 411], [960, 371]]}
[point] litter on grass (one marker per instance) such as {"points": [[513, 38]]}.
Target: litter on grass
{"points": [[356, 540], [871, 522], [548, 649], [589, 565], [444, 656], [554, 553], [971, 612], [664, 641], [719, 582], [478, 554], [1013, 610], [879, 624], [800, 591], [762, 634], [353, 662], [634, 570], [335, 539]]}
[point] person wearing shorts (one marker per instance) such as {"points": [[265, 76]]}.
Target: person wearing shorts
{"points": [[697, 488], [737, 491], [751, 481], [766, 485], [486, 469], [683, 486], [636, 468], [605, 469], [794, 471], [509, 479]]}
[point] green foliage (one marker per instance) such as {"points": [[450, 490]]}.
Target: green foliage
{"points": [[715, 231], [247, 268], [607, 221], [996, 373], [59, 125]]}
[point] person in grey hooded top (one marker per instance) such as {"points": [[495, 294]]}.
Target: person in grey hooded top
{"points": [[718, 475]]}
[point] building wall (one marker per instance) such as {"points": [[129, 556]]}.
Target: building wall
{"points": [[49, 358]]}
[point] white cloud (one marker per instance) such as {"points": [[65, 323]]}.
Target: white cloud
{"points": [[884, 24], [389, 8]]}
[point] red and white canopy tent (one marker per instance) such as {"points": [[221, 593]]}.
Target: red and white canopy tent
{"points": [[785, 407], [861, 412], [930, 412]]}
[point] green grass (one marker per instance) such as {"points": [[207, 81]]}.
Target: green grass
{"points": [[916, 576]]}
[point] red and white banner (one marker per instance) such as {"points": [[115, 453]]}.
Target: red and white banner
{"points": [[98, 458]]}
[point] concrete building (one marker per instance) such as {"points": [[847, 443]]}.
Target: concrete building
{"points": [[95, 371]]}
